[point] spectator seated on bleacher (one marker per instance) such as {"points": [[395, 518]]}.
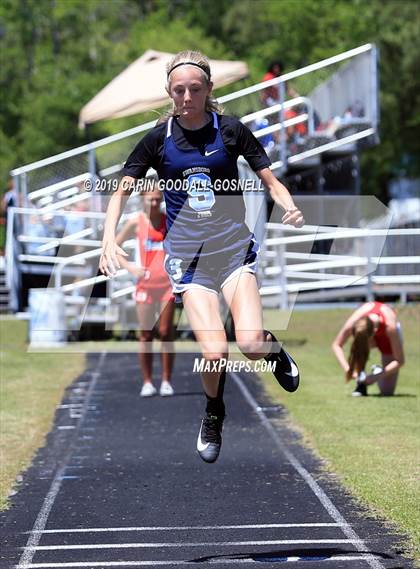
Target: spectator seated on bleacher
{"points": [[350, 122], [353, 116], [295, 134]]}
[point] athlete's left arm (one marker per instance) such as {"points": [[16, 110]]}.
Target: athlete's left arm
{"points": [[281, 195]]}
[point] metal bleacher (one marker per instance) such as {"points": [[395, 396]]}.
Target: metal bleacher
{"points": [[54, 238]]}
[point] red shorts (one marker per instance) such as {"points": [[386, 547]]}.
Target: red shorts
{"points": [[146, 295]]}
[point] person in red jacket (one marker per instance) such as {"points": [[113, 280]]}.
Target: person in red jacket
{"points": [[372, 325], [153, 290], [270, 95]]}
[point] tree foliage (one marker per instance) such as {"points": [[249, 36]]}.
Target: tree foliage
{"points": [[56, 55]]}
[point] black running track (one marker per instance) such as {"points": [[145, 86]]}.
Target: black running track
{"points": [[119, 484]]}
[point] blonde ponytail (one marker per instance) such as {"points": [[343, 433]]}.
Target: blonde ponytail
{"points": [[359, 350]]}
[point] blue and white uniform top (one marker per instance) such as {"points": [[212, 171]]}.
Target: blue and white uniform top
{"points": [[205, 210], [201, 215]]}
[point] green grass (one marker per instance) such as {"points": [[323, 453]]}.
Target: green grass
{"points": [[31, 386], [372, 443]]}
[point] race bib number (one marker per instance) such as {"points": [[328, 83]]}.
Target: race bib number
{"points": [[200, 193], [173, 267]]}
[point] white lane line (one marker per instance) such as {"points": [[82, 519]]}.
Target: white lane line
{"points": [[188, 544], [42, 518], [68, 477], [186, 528], [307, 477], [171, 563]]}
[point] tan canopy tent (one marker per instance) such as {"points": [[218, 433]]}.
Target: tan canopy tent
{"points": [[141, 87]]}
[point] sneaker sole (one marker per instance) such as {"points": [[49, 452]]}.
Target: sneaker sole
{"points": [[288, 380]]}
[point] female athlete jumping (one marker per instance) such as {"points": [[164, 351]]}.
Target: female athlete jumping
{"points": [[209, 248]]}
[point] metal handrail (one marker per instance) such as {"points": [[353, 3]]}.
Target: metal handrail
{"points": [[301, 270], [66, 240], [351, 280], [280, 126], [339, 233], [63, 203], [224, 99], [276, 108], [298, 73], [88, 214], [59, 186], [90, 281], [82, 149], [45, 259], [324, 148], [331, 145], [310, 264], [74, 259], [279, 107]]}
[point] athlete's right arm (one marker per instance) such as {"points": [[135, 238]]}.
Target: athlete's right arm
{"points": [[109, 263], [129, 230], [337, 348]]}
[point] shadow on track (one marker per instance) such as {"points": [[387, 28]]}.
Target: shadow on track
{"points": [[305, 554]]}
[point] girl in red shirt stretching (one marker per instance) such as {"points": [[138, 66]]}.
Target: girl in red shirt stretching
{"points": [[372, 325]]}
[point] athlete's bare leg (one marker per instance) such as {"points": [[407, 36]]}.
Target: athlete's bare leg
{"points": [[387, 385], [243, 298], [202, 308], [146, 318], [242, 295], [166, 333]]}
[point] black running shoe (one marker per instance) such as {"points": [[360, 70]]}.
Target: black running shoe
{"points": [[209, 439], [361, 389], [285, 371]]}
